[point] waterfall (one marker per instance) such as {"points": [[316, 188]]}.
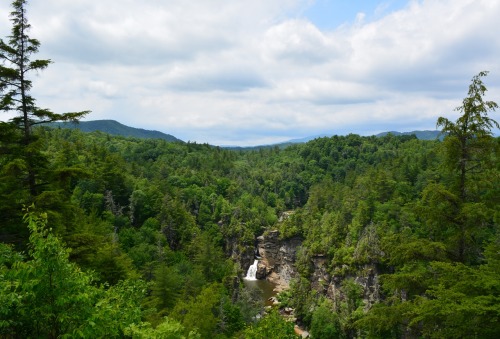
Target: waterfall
{"points": [[252, 271]]}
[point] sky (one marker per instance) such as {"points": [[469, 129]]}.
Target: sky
{"points": [[235, 72]]}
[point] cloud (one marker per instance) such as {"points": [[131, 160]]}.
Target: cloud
{"points": [[299, 42], [214, 78], [423, 46], [128, 31], [325, 92], [240, 72]]}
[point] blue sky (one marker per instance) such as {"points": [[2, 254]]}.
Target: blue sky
{"points": [[328, 14], [259, 72]]}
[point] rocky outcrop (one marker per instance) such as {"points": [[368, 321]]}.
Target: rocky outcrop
{"points": [[277, 264], [369, 280], [242, 254], [320, 278], [262, 270], [278, 258], [367, 277]]}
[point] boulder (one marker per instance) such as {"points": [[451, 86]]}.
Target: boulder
{"points": [[262, 270]]}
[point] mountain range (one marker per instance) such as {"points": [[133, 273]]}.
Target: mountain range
{"points": [[115, 128]]}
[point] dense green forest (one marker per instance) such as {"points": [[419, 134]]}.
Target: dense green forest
{"points": [[108, 236], [129, 236]]}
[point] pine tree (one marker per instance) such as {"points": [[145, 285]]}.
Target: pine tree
{"points": [[468, 149], [467, 138], [24, 169], [16, 65]]}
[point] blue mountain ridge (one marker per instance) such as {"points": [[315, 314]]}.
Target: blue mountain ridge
{"points": [[113, 127]]}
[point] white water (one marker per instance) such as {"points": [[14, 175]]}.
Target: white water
{"points": [[252, 271]]}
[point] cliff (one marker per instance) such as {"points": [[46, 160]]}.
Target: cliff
{"points": [[278, 258], [242, 253], [278, 264]]}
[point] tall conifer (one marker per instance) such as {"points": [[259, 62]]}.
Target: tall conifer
{"points": [[468, 148], [16, 65]]}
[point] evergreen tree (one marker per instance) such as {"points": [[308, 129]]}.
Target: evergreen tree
{"points": [[24, 168], [469, 137], [468, 149], [15, 85]]}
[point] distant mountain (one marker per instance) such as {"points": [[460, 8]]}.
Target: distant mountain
{"points": [[281, 145], [422, 135], [115, 128], [306, 139]]}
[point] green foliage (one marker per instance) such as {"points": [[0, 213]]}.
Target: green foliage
{"points": [[51, 294], [172, 214], [304, 299], [368, 249], [209, 258], [463, 302], [177, 224], [351, 308], [49, 297], [167, 329], [167, 286], [444, 285], [325, 322], [8, 300], [94, 249], [271, 325], [468, 150], [15, 87], [232, 318], [24, 168], [455, 301], [201, 312], [114, 312]]}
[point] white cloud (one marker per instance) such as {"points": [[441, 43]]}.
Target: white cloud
{"points": [[427, 42], [300, 43], [234, 72]]}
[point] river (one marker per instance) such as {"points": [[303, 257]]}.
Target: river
{"points": [[266, 287]]}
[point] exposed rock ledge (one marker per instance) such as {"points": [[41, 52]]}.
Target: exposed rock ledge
{"points": [[278, 259], [277, 265]]}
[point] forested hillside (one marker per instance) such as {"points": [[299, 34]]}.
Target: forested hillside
{"points": [[152, 218], [114, 128], [106, 236]]}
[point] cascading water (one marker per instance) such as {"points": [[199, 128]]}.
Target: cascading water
{"points": [[265, 288], [252, 271]]}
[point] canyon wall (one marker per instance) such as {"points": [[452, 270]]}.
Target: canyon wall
{"points": [[277, 258], [278, 264]]}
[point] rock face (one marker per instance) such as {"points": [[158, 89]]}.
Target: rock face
{"points": [[320, 278], [367, 277], [278, 257], [262, 271], [371, 285], [244, 255], [277, 264]]}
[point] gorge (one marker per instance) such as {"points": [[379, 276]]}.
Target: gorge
{"points": [[277, 268]]}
